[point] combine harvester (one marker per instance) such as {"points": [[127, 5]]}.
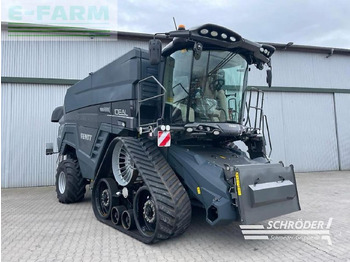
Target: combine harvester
{"points": [[154, 133]]}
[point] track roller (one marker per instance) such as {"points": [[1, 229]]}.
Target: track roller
{"points": [[116, 214], [127, 218], [104, 197], [145, 211]]}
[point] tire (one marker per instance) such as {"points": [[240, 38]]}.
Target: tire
{"points": [[70, 185]]}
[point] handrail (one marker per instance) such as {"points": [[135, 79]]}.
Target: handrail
{"points": [[140, 101], [268, 134], [262, 122], [258, 107]]}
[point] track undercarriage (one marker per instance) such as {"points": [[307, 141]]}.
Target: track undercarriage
{"points": [[149, 203]]}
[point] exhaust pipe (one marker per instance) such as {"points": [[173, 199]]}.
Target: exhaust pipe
{"points": [[116, 214], [128, 221]]}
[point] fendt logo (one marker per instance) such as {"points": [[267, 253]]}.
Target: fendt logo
{"points": [[84, 136]]}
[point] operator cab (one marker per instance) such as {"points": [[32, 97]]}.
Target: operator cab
{"points": [[205, 77], [209, 89]]}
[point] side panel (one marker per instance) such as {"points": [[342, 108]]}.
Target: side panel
{"points": [[205, 182], [87, 130], [105, 103], [123, 115], [113, 82]]}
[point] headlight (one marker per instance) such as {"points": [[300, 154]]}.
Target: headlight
{"points": [[204, 31], [214, 33]]}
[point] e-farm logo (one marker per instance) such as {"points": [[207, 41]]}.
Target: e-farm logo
{"points": [[70, 14], [69, 18]]}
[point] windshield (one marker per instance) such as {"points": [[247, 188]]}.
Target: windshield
{"points": [[209, 89]]}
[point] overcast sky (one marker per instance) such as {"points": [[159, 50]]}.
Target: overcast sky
{"points": [[305, 22], [317, 22]]}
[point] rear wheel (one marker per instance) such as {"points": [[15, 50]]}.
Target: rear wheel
{"points": [[70, 185]]}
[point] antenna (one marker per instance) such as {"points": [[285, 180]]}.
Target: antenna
{"points": [[175, 23]]}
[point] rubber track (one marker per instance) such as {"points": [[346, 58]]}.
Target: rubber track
{"points": [[174, 206]]}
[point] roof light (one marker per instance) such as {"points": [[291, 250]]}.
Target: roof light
{"points": [[224, 36], [265, 51], [216, 132], [204, 31], [181, 27], [214, 33], [261, 50], [232, 38]]}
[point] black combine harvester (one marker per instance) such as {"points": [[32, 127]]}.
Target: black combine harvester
{"points": [[154, 133]]}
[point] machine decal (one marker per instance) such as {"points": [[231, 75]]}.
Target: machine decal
{"points": [[105, 109], [164, 139], [85, 136], [120, 112], [239, 191]]}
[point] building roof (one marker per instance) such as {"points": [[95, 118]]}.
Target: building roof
{"points": [[145, 36]]}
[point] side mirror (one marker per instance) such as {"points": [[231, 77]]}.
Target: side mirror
{"points": [[49, 149], [269, 77], [155, 51]]}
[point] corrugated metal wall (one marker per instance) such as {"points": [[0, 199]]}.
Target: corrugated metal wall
{"points": [[63, 57], [304, 126], [311, 130], [27, 108], [26, 127], [301, 69], [342, 108], [303, 130]]}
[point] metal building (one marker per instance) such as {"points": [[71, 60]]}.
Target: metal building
{"points": [[308, 106]]}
